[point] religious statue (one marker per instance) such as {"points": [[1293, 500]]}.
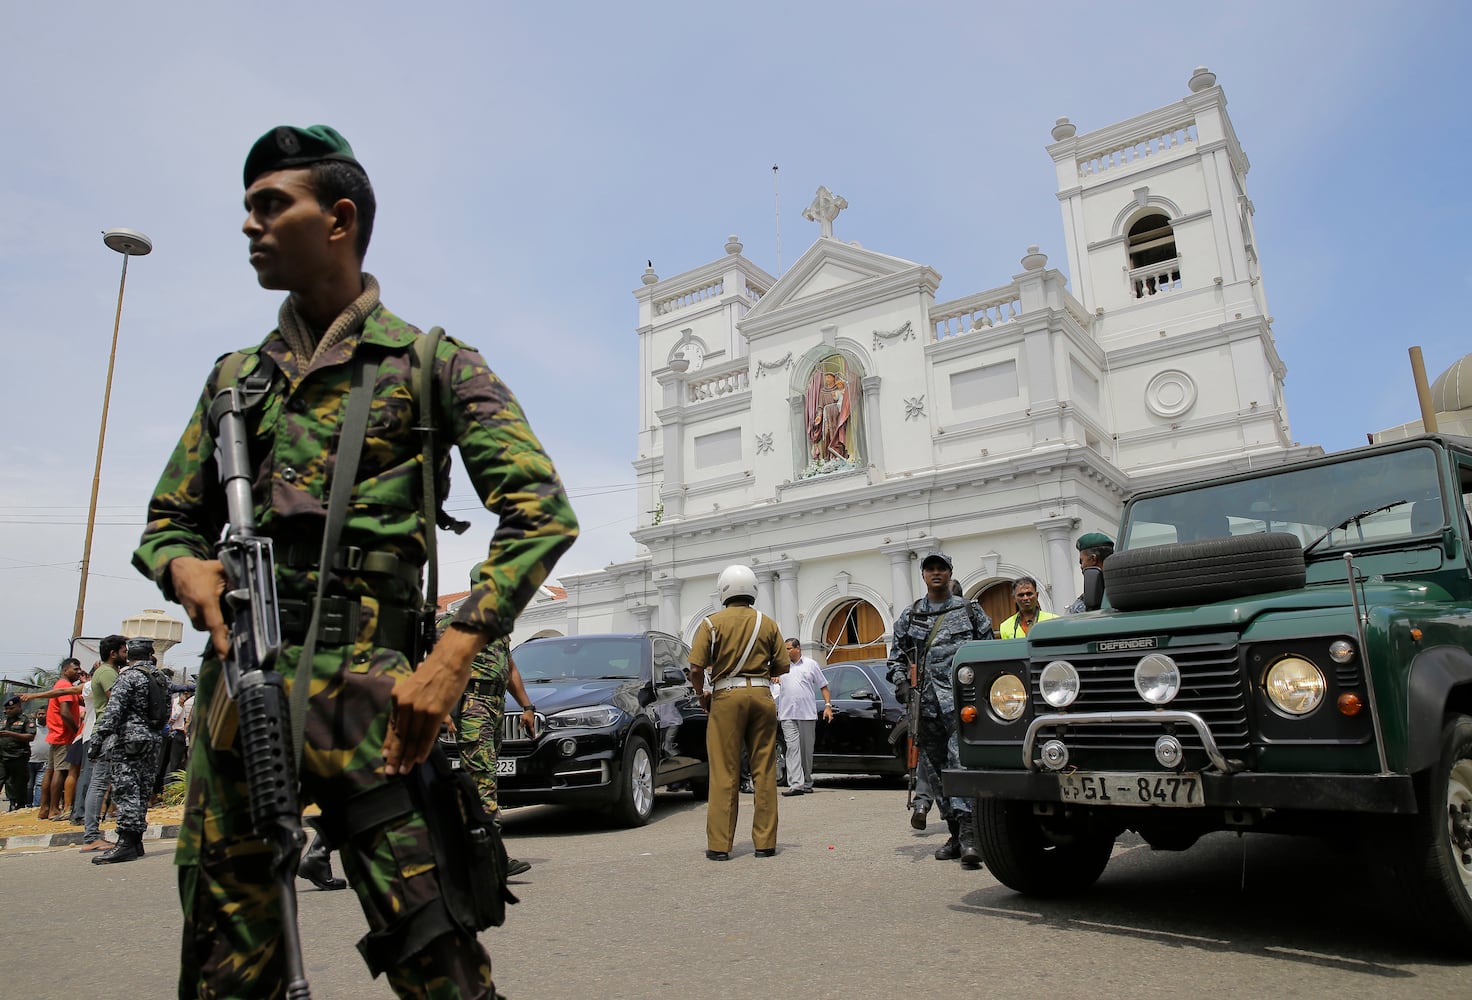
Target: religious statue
{"points": [[824, 209], [829, 406]]}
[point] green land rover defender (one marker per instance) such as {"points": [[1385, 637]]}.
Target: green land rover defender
{"points": [[1284, 651]]}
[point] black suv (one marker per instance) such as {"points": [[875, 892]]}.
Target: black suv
{"points": [[616, 718]]}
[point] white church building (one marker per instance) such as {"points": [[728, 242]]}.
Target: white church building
{"points": [[832, 426]]}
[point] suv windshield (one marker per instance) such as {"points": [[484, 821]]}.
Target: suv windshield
{"points": [[591, 659], [1398, 494]]}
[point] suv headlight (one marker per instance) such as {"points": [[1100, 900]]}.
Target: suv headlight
{"points": [[592, 717], [1059, 683], [1008, 697], [1294, 685]]}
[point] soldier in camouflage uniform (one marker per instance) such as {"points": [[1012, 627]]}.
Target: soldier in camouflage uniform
{"points": [[931, 630], [127, 740], [372, 718], [1093, 549]]}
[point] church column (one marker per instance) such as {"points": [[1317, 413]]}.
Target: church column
{"points": [[786, 596], [902, 566], [1057, 535], [669, 606], [765, 581], [873, 439], [672, 491]]}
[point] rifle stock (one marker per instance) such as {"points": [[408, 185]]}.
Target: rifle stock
{"points": [[253, 702]]}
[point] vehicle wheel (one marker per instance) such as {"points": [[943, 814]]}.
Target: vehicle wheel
{"points": [[1438, 866], [1026, 856], [1214, 569], [636, 794]]}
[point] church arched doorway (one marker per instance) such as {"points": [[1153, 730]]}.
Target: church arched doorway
{"points": [[996, 601], [854, 631]]}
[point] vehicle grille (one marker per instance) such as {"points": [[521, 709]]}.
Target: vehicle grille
{"points": [[512, 729], [1211, 686]]}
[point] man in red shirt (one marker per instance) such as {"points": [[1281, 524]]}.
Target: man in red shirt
{"points": [[63, 720]]}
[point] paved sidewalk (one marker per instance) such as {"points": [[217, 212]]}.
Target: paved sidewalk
{"points": [[73, 836]]}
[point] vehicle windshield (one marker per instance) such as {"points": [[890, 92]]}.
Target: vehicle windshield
{"points": [[1397, 493], [572, 658]]}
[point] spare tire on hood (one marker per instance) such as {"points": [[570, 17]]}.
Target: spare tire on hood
{"points": [[1184, 574]]}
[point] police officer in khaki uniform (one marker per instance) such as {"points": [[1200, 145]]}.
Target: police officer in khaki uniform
{"points": [[742, 648]]}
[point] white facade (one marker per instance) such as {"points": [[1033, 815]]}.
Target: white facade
{"points": [[997, 427]]}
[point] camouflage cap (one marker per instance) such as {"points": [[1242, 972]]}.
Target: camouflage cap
{"points": [[289, 146], [1094, 540], [939, 557]]}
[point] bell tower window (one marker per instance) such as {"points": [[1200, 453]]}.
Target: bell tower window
{"points": [[1154, 268]]}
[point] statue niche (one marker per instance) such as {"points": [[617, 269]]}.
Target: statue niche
{"points": [[832, 418]]}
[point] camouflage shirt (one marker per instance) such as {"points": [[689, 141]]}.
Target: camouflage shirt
{"points": [[126, 715], [293, 443], [961, 621]]}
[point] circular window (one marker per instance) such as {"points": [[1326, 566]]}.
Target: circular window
{"points": [[1170, 394]]}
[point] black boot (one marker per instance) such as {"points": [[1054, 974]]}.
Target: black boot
{"points": [[316, 866], [128, 848], [970, 852], [951, 849], [515, 866]]}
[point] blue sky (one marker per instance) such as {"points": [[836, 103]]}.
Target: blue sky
{"points": [[529, 158]]}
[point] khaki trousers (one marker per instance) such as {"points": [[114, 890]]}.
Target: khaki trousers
{"points": [[741, 715]]}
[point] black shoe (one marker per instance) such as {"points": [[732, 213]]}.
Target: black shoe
{"points": [[949, 851], [791, 792], [316, 867], [917, 819], [718, 855], [128, 848], [766, 852], [748, 788], [970, 853], [515, 866]]}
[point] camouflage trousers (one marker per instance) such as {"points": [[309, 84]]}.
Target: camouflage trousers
{"points": [[229, 889], [940, 749], [480, 744], [132, 786]]}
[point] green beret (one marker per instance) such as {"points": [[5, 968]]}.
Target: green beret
{"points": [[288, 146], [1094, 540]]}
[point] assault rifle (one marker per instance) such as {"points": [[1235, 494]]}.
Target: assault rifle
{"points": [[251, 682]]}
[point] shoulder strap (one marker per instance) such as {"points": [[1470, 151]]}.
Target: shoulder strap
{"points": [[751, 644], [422, 390]]}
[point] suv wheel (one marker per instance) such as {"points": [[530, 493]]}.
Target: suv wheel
{"points": [[1031, 859], [1213, 569], [1438, 862], [636, 792]]}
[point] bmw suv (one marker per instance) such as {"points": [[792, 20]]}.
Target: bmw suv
{"points": [[616, 717]]}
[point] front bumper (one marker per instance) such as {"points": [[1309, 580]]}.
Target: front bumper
{"points": [[590, 776], [1356, 793]]}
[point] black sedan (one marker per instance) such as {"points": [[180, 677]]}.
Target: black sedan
{"points": [[865, 714]]}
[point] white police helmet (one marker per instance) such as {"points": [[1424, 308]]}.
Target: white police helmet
{"points": [[736, 581]]}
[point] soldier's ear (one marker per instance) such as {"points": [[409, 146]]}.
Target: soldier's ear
{"points": [[344, 225]]}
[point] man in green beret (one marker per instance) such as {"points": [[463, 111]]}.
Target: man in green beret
{"points": [[372, 717], [1093, 548]]}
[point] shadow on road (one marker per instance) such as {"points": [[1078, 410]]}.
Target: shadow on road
{"points": [[568, 821], [1285, 899]]}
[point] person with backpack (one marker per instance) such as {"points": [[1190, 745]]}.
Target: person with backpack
{"points": [[928, 634], [127, 737]]}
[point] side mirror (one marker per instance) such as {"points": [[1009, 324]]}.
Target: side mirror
{"points": [[671, 676], [1093, 588], [864, 694]]}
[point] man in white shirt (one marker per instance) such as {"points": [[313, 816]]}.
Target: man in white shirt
{"points": [[797, 713]]}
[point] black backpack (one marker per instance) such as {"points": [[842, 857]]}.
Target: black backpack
{"points": [[159, 708]]}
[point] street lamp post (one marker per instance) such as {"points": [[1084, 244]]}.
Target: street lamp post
{"points": [[129, 243]]}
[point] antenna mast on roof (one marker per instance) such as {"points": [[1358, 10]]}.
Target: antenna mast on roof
{"points": [[777, 210]]}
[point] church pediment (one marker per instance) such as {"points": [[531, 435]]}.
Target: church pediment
{"points": [[829, 267]]}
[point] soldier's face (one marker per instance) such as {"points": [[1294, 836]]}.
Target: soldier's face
{"points": [[937, 577], [290, 233]]}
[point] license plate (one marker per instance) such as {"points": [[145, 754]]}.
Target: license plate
{"points": [[505, 765], [1125, 788]]}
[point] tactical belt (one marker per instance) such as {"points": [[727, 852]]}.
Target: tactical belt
{"points": [[485, 688], [348, 559], [341, 619]]}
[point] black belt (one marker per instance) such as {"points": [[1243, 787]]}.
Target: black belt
{"points": [[394, 628], [486, 688], [348, 559]]}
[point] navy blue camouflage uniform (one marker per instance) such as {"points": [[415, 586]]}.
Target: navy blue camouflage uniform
{"points": [[961, 622], [126, 739]]}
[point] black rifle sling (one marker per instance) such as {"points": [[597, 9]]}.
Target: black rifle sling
{"points": [[344, 477], [424, 351]]}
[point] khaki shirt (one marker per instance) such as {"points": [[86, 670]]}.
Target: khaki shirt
{"points": [[731, 630]]}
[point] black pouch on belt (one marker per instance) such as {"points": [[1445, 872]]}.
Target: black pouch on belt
{"points": [[467, 846]]}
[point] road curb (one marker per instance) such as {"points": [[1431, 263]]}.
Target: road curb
{"points": [[68, 838]]}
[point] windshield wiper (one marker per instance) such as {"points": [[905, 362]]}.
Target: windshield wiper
{"points": [[1352, 519]]}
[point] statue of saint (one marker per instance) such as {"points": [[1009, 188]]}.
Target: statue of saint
{"points": [[828, 410]]}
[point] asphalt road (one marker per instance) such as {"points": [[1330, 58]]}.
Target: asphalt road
{"points": [[852, 905]]}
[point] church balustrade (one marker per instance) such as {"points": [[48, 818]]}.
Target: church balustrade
{"points": [[1091, 164], [982, 311], [718, 384], [1154, 279], [694, 296]]}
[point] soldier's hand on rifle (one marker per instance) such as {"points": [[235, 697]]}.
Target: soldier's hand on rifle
{"points": [[199, 584], [422, 699]]}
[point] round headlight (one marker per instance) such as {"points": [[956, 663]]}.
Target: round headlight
{"points": [[1059, 683], [965, 675], [1008, 697], [1341, 650], [1157, 678], [1294, 685]]}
